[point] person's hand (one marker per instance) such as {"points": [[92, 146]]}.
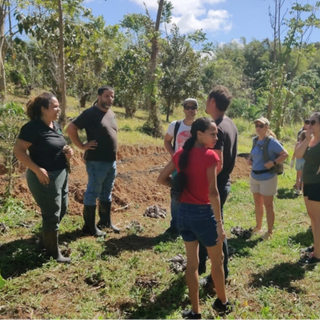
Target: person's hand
{"points": [[249, 162], [220, 231], [42, 176], [269, 164], [68, 152], [91, 145], [291, 164], [309, 133]]}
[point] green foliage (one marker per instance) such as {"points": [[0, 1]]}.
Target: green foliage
{"points": [[2, 281]]}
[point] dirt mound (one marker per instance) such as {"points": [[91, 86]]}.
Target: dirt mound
{"points": [[135, 186], [241, 169]]}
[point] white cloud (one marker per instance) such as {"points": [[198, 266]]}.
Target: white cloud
{"points": [[190, 15]]}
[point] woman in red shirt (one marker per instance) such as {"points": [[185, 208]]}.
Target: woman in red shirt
{"points": [[199, 215]]}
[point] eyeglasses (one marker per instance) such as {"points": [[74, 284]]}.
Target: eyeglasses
{"points": [[259, 126], [311, 122], [190, 107]]}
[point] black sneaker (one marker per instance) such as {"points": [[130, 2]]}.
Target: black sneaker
{"points": [[188, 314], [222, 308], [309, 261], [307, 250]]}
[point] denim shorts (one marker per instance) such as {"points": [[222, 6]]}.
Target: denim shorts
{"points": [[197, 222], [299, 164]]}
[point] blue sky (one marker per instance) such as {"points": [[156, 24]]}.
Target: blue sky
{"points": [[222, 20]]}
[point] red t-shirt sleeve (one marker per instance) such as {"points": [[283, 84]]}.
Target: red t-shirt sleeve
{"points": [[211, 158]]}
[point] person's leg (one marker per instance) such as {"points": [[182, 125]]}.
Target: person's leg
{"points": [[313, 209], [258, 208], [96, 176], [64, 197], [105, 197], [299, 181], [49, 199], [174, 207], [217, 272], [268, 203], [192, 276], [224, 191]]}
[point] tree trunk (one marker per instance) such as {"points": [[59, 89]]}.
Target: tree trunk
{"points": [[63, 89], [154, 116], [83, 99], [3, 12]]}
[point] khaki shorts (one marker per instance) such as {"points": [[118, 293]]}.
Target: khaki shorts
{"points": [[265, 187]]}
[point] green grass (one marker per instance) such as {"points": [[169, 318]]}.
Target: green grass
{"points": [[129, 276]]}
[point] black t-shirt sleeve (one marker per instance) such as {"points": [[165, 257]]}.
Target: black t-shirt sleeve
{"points": [[81, 121], [28, 133], [220, 143]]}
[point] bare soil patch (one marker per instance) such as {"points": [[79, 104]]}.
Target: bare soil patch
{"points": [[135, 185]]}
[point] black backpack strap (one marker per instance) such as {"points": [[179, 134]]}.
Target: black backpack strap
{"points": [[176, 129], [254, 142], [265, 148]]}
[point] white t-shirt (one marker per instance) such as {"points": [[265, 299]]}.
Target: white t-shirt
{"points": [[183, 133]]}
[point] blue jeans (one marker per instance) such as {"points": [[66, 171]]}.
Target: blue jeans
{"points": [[101, 176], [174, 213]]}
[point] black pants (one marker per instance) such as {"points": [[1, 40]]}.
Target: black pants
{"points": [[223, 191]]}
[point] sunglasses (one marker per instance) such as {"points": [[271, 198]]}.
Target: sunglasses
{"points": [[190, 107], [259, 126], [312, 122]]}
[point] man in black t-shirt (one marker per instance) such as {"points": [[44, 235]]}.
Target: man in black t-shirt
{"points": [[217, 103], [100, 125]]}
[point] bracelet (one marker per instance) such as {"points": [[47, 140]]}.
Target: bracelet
{"points": [[218, 221]]}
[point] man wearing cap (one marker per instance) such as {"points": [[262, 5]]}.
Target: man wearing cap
{"points": [[177, 134], [100, 125], [217, 104]]}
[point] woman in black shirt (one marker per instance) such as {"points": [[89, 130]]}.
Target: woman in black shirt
{"points": [[47, 173]]}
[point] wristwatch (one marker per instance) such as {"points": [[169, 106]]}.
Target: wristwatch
{"points": [[274, 162]]}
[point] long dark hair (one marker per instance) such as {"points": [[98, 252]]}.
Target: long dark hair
{"points": [[201, 124], [34, 105]]}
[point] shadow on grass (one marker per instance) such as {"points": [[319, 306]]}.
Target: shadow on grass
{"points": [[280, 276], [133, 242], [287, 193], [19, 256], [242, 246], [305, 239], [160, 306]]}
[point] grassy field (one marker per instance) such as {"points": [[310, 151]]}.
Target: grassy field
{"points": [[131, 277]]}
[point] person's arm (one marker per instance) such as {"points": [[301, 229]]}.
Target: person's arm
{"points": [[215, 200], [168, 143], [283, 155], [303, 146], [20, 151], [293, 156], [220, 163], [72, 132], [165, 175]]}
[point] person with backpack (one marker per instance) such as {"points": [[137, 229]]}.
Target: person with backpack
{"points": [[177, 134], [266, 156], [199, 216]]}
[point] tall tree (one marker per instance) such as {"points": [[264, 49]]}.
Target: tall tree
{"points": [[63, 88], [154, 116]]}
